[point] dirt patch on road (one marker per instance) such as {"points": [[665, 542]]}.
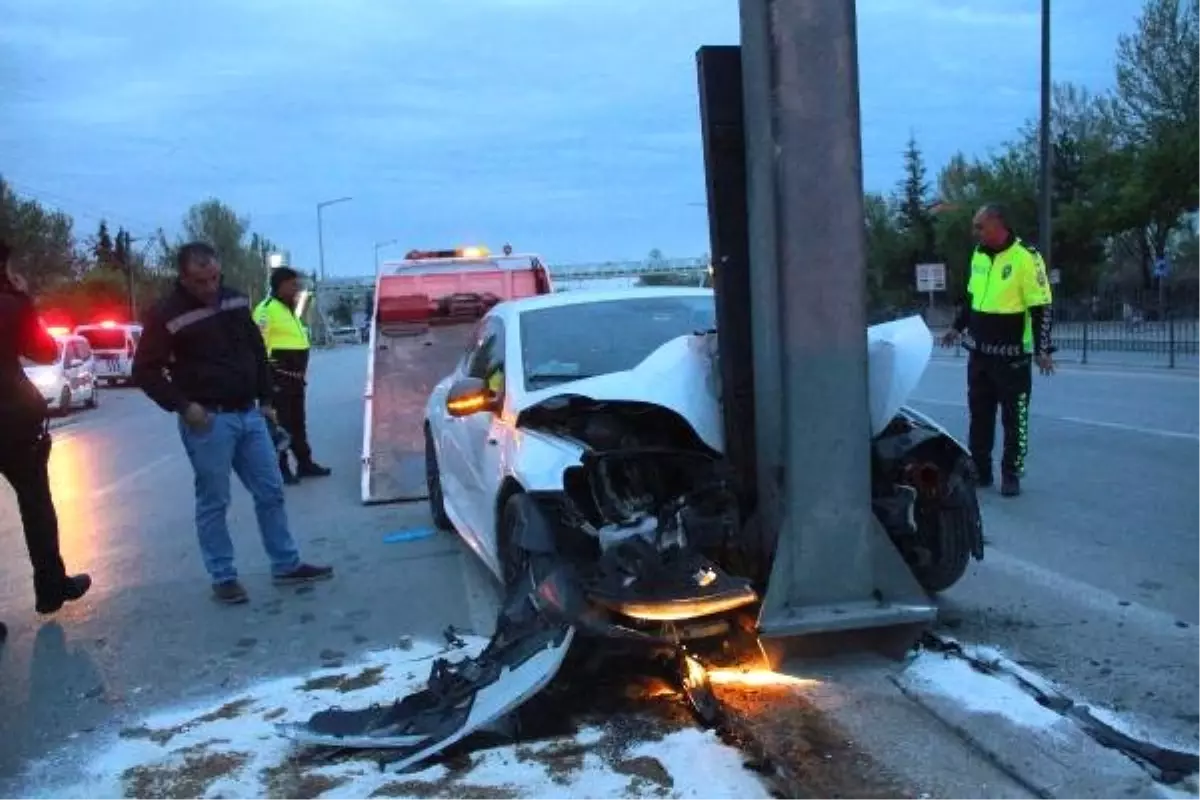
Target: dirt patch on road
{"points": [[807, 755], [161, 736], [371, 676], [191, 776]]}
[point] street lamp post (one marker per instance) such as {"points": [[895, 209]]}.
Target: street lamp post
{"points": [[1046, 155], [379, 246], [321, 231]]}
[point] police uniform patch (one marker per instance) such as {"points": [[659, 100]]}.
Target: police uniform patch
{"points": [[1041, 279], [1007, 273]]}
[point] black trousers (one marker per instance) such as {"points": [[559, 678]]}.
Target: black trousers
{"points": [[1004, 383], [24, 462], [289, 404]]}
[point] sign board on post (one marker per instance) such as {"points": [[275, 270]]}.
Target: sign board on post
{"points": [[931, 278], [1055, 277]]}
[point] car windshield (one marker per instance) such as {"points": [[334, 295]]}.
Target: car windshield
{"points": [[582, 340], [104, 338], [25, 362]]}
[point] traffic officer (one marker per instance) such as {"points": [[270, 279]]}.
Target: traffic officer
{"points": [[287, 348], [25, 441], [1006, 320]]}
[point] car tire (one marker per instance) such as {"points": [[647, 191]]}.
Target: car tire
{"points": [[522, 569], [93, 401], [64, 402], [433, 485], [956, 534]]}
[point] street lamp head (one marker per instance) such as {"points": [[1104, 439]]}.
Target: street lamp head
{"points": [[275, 260], [324, 203]]}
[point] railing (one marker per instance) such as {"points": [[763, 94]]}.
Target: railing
{"points": [[1149, 328]]}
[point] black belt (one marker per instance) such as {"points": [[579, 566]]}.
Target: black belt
{"points": [[227, 407]]}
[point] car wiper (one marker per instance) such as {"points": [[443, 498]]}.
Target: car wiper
{"points": [[556, 377]]}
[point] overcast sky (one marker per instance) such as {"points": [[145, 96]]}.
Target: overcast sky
{"points": [[568, 127]]}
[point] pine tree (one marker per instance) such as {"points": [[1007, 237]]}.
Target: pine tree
{"points": [[103, 248]]}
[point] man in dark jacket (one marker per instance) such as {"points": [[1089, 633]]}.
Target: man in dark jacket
{"points": [[202, 357], [25, 441]]}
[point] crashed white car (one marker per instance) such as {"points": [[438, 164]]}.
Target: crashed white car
{"points": [[586, 428], [578, 448]]}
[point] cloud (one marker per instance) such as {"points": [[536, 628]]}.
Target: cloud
{"points": [[571, 126]]}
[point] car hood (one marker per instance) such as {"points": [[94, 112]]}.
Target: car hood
{"points": [[41, 371], [681, 376]]}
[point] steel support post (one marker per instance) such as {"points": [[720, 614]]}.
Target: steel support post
{"points": [[834, 568]]}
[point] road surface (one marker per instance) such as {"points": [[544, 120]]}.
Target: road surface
{"points": [[1091, 575], [148, 633]]}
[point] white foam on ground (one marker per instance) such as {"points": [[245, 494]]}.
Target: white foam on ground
{"points": [[230, 748], [977, 692]]}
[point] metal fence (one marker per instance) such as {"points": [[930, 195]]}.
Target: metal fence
{"points": [[1156, 327]]}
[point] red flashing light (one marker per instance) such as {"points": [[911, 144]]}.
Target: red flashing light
{"points": [[108, 323], [58, 330]]}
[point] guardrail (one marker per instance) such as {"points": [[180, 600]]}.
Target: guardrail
{"points": [[1147, 328]]}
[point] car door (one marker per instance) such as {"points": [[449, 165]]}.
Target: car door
{"points": [[87, 368], [477, 438], [447, 432], [72, 369]]}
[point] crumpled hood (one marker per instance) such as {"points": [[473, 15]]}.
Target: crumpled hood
{"points": [[681, 375]]}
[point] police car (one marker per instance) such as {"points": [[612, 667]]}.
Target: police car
{"points": [[71, 379], [114, 345]]}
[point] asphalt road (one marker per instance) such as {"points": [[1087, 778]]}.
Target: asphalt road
{"points": [[148, 633], [1091, 575]]}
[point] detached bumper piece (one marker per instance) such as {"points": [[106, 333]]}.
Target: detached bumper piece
{"points": [[459, 699], [678, 584]]}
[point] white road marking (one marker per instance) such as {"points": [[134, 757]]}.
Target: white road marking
{"points": [[1116, 426], [1092, 597], [130, 477], [1179, 374]]}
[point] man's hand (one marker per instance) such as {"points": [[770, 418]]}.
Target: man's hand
{"points": [[1045, 363], [270, 413], [950, 338], [195, 416]]}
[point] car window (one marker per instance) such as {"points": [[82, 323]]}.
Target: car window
{"points": [[487, 361], [559, 344], [85, 351]]}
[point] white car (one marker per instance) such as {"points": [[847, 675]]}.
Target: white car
{"points": [[586, 428], [71, 379]]}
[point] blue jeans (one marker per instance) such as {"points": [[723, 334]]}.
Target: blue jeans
{"points": [[237, 442]]}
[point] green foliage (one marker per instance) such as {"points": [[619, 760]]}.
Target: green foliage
{"points": [[670, 279], [96, 278]]}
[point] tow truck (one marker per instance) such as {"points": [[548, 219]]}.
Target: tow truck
{"points": [[425, 308]]}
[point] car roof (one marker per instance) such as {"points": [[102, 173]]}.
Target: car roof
{"points": [[511, 309]]}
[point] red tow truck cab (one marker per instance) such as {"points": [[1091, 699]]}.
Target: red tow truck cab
{"points": [[452, 286]]}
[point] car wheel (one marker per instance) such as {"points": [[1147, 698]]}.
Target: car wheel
{"points": [[64, 401], [94, 400], [522, 567], [433, 485], [952, 538]]}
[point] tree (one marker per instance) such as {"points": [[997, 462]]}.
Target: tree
{"points": [[242, 254], [1156, 106], [42, 240], [102, 247]]}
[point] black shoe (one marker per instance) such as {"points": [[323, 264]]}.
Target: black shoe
{"points": [[289, 477], [230, 592], [313, 470], [1010, 486], [305, 573], [73, 588], [3, 632], [983, 476]]}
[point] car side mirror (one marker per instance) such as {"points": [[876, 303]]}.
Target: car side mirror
{"points": [[72, 363], [469, 396]]}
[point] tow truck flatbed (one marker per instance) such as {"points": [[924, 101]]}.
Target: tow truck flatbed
{"points": [[425, 312]]}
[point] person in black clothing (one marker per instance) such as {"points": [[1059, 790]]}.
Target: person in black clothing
{"points": [[201, 357], [25, 441]]}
